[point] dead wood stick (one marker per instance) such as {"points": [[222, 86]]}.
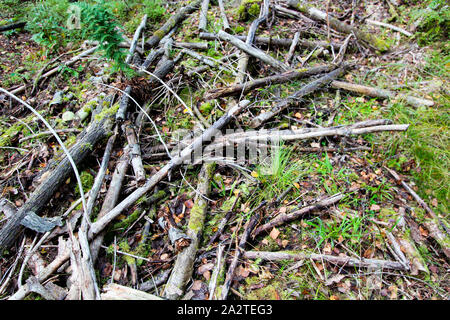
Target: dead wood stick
{"points": [[301, 134], [204, 68], [136, 158], [123, 106], [184, 265], [151, 58], [284, 218], [133, 45], [243, 60], [97, 130], [217, 270], [338, 260], [223, 15], [243, 88], [381, 93], [174, 20], [252, 51], [285, 12], [433, 224], [196, 146], [101, 173], [111, 197], [203, 18], [238, 254], [284, 43], [340, 26], [292, 48], [208, 61], [56, 69], [114, 291], [192, 45], [390, 26], [305, 90], [223, 222]]}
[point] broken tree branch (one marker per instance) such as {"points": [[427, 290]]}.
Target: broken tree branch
{"points": [[252, 51], [381, 93], [338, 260]]}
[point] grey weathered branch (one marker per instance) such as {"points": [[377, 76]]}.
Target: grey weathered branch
{"points": [[339, 260]]}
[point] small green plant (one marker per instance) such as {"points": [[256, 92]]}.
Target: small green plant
{"points": [[154, 10], [352, 229], [434, 22]]}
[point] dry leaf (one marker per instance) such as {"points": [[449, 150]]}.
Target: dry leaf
{"points": [[334, 279], [274, 233]]}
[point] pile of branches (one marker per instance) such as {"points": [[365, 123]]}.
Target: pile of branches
{"points": [[80, 238]]}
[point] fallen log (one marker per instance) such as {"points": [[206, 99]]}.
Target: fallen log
{"points": [[243, 60], [226, 25], [174, 20], [340, 26], [184, 265], [100, 128], [381, 93], [203, 19], [338, 260]]}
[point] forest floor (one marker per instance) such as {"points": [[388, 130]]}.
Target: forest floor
{"points": [[376, 217]]}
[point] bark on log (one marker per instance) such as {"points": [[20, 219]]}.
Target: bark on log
{"points": [[243, 88], [203, 19], [340, 26], [381, 93], [98, 130], [226, 25], [184, 265], [136, 159], [174, 20], [339, 260]]}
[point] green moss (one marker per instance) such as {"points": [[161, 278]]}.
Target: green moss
{"points": [[11, 133], [107, 112], [125, 223], [254, 10], [206, 107], [248, 9], [87, 181]]}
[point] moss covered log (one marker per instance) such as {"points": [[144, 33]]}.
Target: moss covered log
{"points": [[182, 270], [174, 20], [100, 128]]}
